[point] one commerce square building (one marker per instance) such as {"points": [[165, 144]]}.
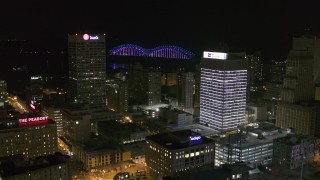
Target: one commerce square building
{"points": [[87, 68], [223, 90]]}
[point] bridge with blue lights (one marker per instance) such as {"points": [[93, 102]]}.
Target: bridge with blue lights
{"points": [[168, 52]]}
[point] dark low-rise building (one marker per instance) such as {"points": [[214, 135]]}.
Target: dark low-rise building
{"points": [[51, 167]]}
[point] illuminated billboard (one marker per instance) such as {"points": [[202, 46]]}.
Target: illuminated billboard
{"points": [[214, 55], [33, 120]]}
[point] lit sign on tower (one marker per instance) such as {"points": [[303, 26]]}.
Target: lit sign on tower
{"points": [[196, 139], [32, 105], [214, 55], [88, 37]]}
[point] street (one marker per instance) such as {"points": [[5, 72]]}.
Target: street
{"points": [[18, 106], [136, 171]]}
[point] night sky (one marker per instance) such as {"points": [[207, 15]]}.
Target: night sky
{"points": [[244, 25]]}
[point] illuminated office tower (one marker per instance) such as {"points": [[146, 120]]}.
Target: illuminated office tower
{"points": [[87, 68], [223, 90]]}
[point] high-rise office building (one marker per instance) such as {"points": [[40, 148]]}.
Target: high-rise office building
{"points": [[254, 68], [223, 90], [298, 82], [87, 68], [52, 110], [34, 92], [310, 44], [153, 87], [185, 94], [144, 85], [295, 108], [197, 78], [117, 99], [169, 79]]}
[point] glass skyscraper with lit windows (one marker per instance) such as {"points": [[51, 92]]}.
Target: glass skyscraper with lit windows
{"points": [[223, 90], [87, 68]]}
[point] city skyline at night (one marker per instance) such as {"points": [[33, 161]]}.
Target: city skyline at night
{"points": [[160, 90], [263, 25]]}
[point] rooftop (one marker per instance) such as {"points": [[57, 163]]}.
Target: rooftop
{"points": [[179, 139], [13, 165], [294, 139], [199, 128], [258, 134], [15, 124], [99, 144]]}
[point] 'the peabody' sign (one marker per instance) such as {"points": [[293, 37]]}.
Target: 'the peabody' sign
{"points": [[33, 119]]}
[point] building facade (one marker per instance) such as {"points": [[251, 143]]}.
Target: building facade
{"points": [[153, 87], [80, 120], [223, 90], [53, 112], [3, 91], [87, 68], [175, 116], [144, 85], [168, 154], [186, 91], [291, 151], [310, 44], [76, 122], [295, 108], [92, 158], [254, 70], [29, 136], [253, 146], [117, 98]]}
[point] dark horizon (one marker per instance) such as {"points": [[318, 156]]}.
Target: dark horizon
{"points": [[266, 26]]}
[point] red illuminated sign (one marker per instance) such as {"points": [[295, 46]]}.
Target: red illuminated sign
{"points": [[33, 120], [32, 105]]}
